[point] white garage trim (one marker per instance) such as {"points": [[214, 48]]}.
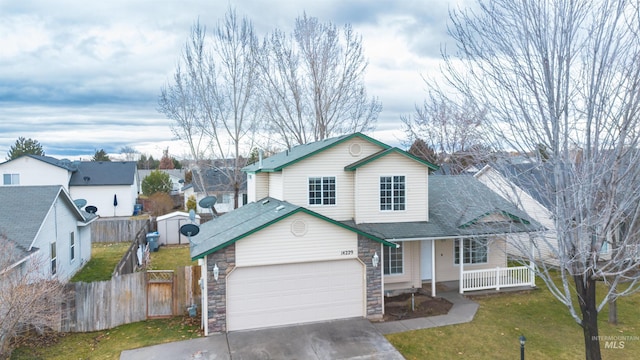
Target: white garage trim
{"points": [[275, 295]]}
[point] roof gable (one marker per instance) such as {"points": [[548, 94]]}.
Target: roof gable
{"points": [[24, 209], [382, 153], [246, 220], [298, 153], [97, 173]]}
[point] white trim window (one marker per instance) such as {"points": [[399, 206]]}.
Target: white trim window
{"points": [[393, 262], [475, 251], [11, 179], [54, 258], [322, 190], [72, 246], [392, 193]]}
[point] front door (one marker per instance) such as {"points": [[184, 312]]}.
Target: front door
{"points": [[425, 259]]}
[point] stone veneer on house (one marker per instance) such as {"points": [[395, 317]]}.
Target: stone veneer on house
{"points": [[366, 249], [226, 260], [217, 290]]}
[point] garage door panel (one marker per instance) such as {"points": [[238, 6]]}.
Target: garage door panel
{"points": [[276, 295]]}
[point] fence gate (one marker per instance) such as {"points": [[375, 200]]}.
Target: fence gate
{"points": [[159, 293]]}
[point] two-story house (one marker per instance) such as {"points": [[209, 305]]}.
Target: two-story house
{"points": [[332, 226], [110, 186]]}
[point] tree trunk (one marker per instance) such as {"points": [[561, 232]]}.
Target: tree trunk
{"points": [[587, 300], [613, 312]]}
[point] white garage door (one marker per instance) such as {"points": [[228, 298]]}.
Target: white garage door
{"points": [[263, 296]]}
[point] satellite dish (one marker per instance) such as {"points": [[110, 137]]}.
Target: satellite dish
{"points": [[208, 202], [80, 203], [189, 230], [192, 215], [91, 209]]}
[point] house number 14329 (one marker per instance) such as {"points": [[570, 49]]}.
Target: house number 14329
{"points": [[346, 252]]}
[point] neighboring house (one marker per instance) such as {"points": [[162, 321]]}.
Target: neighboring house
{"points": [[522, 184], [175, 175], [111, 186], [333, 226], [217, 182], [102, 184], [45, 230], [37, 170]]}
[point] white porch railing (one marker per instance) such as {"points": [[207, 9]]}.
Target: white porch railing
{"points": [[497, 278]]}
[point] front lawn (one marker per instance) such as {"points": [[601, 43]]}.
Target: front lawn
{"points": [[107, 344], [493, 334]]}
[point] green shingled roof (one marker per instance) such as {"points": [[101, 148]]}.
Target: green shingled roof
{"points": [[246, 220], [289, 157], [457, 205]]}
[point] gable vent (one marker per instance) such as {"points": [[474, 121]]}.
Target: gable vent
{"points": [[298, 227], [355, 149]]}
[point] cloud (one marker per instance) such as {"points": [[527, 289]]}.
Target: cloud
{"points": [[80, 76]]}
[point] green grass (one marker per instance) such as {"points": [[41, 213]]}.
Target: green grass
{"points": [[104, 258], [493, 334], [107, 345], [171, 257]]}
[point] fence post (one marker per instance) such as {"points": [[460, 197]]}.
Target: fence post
{"points": [[498, 278]]}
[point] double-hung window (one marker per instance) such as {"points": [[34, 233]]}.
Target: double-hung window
{"points": [[11, 179], [474, 250], [393, 260], [322, 190], [392, 193]]}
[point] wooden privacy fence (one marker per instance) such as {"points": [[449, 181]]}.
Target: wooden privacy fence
{"points": [[117, 229], [128, 298], [129, 262]]}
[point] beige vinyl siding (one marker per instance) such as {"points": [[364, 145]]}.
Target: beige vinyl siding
{"points": [[367, 191], [261, 187], [276, 189], [411, 268], [277, 244], [330, 162], [447, 270]]}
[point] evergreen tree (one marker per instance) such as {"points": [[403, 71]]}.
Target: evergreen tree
{"points": [[25, 147]]}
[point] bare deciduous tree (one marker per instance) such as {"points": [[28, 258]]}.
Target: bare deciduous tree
{"points": [[214, 98], [314, 83], [27, 302], [565, 75], [452, 130]]}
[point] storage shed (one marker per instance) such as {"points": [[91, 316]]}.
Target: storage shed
{"points": [[169, 227]]}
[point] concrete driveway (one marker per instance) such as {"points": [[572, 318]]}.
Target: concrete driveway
{"points": [[341, 339]]}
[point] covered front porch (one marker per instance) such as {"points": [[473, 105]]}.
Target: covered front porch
{"points": [[455, 261]]}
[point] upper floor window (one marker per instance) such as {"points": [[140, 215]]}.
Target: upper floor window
{"points": [[474, 251], [392, 193], [322, 190], [11, 179], [393, 260]]}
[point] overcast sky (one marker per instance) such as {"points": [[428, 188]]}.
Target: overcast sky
{"points": [[80, 76]]}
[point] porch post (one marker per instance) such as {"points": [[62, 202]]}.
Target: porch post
{"points": [[461, 261], [532, 273], [433, 268]]}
